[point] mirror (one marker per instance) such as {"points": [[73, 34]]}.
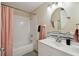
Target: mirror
{"points": [[59, 19]]}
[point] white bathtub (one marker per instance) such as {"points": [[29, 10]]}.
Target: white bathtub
{"points": [[23, 50]]}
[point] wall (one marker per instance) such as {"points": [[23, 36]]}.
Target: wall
{"points": [[44, 16], [21, 13], [73, 11], [41, 17], [21, 30], [33, 31]]}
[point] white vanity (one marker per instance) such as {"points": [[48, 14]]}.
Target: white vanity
{"points": [[49, 47]]}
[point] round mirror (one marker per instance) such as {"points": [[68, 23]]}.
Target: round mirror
{"points": [[59, 18]]}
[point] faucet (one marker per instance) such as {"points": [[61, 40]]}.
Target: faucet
{"points": [[59, 35], [67, 36], [58, 39]]}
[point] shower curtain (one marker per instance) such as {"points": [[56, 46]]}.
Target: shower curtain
{"points": [[6, 30]]}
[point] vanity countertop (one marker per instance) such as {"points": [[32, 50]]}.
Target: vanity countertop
{"points": [[51, 42]]}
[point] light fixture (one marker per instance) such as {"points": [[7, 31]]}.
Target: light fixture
{"points": [[53, 4]]}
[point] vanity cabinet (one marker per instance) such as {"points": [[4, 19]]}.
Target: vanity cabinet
{"points": [[45, 50]]}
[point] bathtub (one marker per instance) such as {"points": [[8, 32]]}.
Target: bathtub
{"points": [[23, 50]]}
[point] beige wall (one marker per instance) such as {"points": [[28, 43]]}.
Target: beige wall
{"points": [[44, 16], [73, 11], [21, 13]]}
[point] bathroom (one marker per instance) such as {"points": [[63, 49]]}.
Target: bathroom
{"points": [[39, 29]]}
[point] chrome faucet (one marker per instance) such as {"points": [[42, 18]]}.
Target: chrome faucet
{"points": [[66, 35], [58, 39], [60, 35]]}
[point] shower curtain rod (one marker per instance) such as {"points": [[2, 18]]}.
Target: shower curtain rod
{"points": [[15, 8]]}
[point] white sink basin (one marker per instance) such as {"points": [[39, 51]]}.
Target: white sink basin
{"points": [[72, 49], [74, 46]]}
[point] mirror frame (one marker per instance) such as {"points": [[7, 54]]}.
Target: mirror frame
{"points": [[52, 21]]}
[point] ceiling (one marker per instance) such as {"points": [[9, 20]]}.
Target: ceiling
{"points": [[26, 6]]}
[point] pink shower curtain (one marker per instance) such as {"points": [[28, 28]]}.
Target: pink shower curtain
{"points": [[6, 33]]}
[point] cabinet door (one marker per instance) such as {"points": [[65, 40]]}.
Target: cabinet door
{"points": [[45, 50]]}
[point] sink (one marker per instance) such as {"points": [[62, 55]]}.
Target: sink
{"points": [[74, 45], [72, 49]]}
